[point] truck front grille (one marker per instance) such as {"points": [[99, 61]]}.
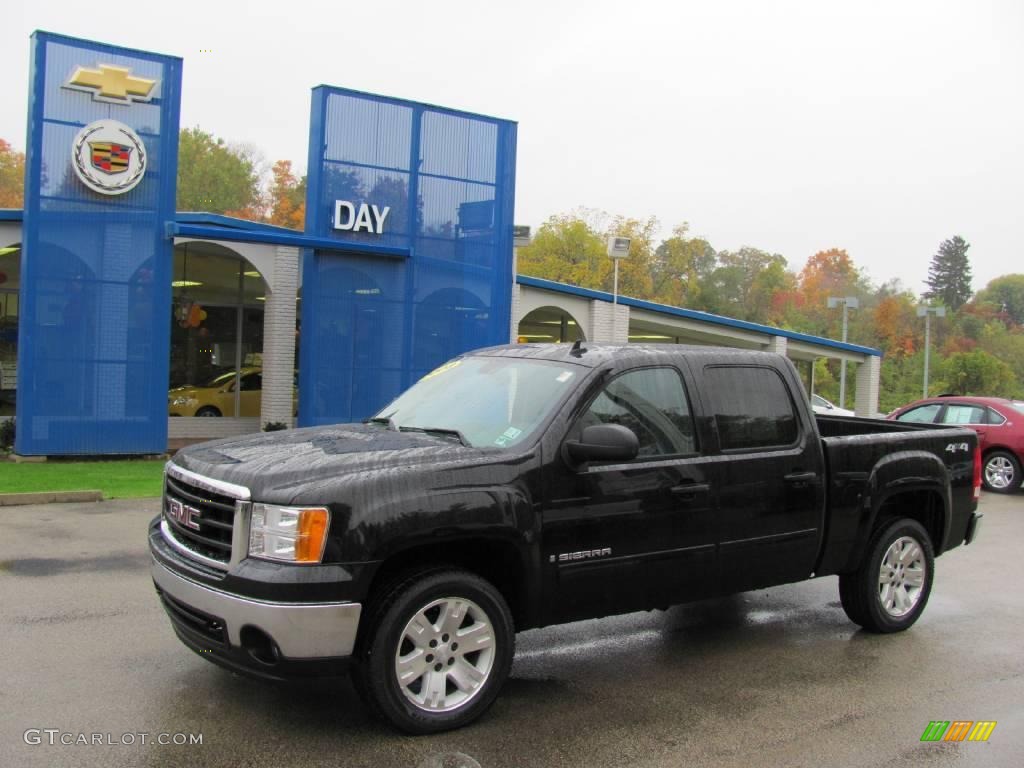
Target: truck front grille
{"points": [[199, 515]]}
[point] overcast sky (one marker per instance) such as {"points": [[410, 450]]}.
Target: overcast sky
{"points": [[878, 127]]}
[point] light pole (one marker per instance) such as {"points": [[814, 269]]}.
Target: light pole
{"points": [[926, 313], [848, 302], [618, 248]]}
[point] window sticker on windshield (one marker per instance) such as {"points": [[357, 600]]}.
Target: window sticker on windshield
{"points": [[512, 433], [442, 369], [563, 377], [501, 441]]}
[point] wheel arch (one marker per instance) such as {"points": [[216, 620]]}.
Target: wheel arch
{"points": [[500, 561]]}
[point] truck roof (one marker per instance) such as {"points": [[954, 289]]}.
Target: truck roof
{"points": [[593, 354]]}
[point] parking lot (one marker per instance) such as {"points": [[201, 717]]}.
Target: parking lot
{"points": [[776, 677]]}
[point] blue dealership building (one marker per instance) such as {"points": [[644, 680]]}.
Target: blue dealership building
{"points": [[123, 320]]}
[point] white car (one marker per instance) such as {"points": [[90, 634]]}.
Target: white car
{"points": [[820, 405]]}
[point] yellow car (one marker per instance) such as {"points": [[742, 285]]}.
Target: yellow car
{"points": [[217, 397]]}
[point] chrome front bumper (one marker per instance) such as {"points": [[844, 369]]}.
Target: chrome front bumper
{"points": [[300, 630]]}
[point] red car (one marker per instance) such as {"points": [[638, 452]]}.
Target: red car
{"points": [[998, 422]]}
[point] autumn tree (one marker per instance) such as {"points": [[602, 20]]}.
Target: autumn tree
{"points": [[566, 249], [744, 282], [949, 276], [12, 177], [287, 199], [216, 177]]}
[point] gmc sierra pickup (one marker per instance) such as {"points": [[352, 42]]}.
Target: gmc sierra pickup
{"points": [[528, 485]]}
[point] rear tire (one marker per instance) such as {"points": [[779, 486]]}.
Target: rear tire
{"points": [[438, 647], [208, 411], [1001, 473], [890, 589]]}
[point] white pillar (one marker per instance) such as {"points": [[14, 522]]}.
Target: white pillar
{"points": [[607, 326], [279, 339], [777, 344], [517, 304], [868, 376]]}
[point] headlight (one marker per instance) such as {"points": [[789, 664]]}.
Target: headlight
{"points": [[288, 534]]}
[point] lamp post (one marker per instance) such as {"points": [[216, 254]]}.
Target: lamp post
{"points": [[618, 248], [926, 313], [848, 302]]}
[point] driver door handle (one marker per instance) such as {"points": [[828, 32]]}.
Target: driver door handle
{"points": [[689, 491], [800, 479]]}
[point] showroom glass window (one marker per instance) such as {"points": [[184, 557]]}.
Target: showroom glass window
{"points": [[752, 406], [652, 403], [10, 270], [217, 329]]}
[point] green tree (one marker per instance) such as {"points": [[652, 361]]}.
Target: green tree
{"points": [[1006, 294], [949, 276], [679, 268], [216, 177], [744, 282], [978, 373], [12, 177]]}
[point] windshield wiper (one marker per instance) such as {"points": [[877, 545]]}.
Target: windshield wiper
{"points": [[438, 430], [389, 420]]}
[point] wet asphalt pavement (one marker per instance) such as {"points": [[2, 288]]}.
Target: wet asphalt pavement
{"points": [[776, 677]]}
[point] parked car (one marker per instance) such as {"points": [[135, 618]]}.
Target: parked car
{"points": [[998, 422], [529, 485], [820, 405], [217, 397]]}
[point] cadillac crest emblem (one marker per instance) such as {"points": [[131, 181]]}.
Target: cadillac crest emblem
{"points": [[109, 157]]}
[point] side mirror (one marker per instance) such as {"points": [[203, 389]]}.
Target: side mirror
{"points": [[604, 442]]}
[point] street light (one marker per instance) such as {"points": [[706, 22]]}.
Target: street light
{"points": [[848, 302], [926, 313], [618, 249]]}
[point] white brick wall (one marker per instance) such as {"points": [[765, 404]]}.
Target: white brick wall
{"points": [[777, 345], [209, 429], [279, 339], [516, 308], [868, 375], [605, 326]]}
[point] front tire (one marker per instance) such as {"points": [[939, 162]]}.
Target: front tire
{"points": [[208, 412], [1001, 473], [890, 589], [437, 649]]}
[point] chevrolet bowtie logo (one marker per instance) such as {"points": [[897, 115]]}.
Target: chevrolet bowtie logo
{"points": [[111, 84]]}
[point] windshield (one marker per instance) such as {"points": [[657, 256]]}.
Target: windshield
{"points": [[487, 401]]}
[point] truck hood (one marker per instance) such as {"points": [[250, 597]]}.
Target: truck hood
{"points": [[278, 466]]}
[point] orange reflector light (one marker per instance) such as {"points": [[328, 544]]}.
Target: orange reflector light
{"points": [[312, 535]]}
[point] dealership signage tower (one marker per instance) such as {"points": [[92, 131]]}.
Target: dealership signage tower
{"points": [[407, 253]]}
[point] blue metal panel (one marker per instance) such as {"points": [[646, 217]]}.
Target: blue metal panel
{"points": [[95, 295], [693, 314], [372, 326]]}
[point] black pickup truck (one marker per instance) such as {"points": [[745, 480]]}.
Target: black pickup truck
{"points": [[527, 485]]}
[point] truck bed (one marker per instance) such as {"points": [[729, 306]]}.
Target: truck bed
{"points": [[855, 458]]}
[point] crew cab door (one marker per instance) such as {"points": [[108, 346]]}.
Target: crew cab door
{"points": [[637, 534], [768, 471]]}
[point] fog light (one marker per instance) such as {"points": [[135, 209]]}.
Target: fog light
{"points": [[288, 534]]}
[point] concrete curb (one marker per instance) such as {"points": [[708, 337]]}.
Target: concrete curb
{"points": [[48, 497]]}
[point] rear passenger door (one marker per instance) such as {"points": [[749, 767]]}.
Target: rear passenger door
{"points": [[769, 477], [638, 534]]}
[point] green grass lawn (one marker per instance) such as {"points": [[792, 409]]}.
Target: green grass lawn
{"points": [[117, 479]]}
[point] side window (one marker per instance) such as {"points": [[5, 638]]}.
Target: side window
{"points": [[923, 414], [651, 402], [994, 417], [964, 414], [752, 407], [252, 382]]}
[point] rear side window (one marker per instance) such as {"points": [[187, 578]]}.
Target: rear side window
{"points": [[923, 414], [752, 407], [964, 414]]}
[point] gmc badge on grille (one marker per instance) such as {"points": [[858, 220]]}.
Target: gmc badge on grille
{"points": [[183, 514]]}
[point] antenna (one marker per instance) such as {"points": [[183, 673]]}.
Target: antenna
{"points": [[577, 348]]}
